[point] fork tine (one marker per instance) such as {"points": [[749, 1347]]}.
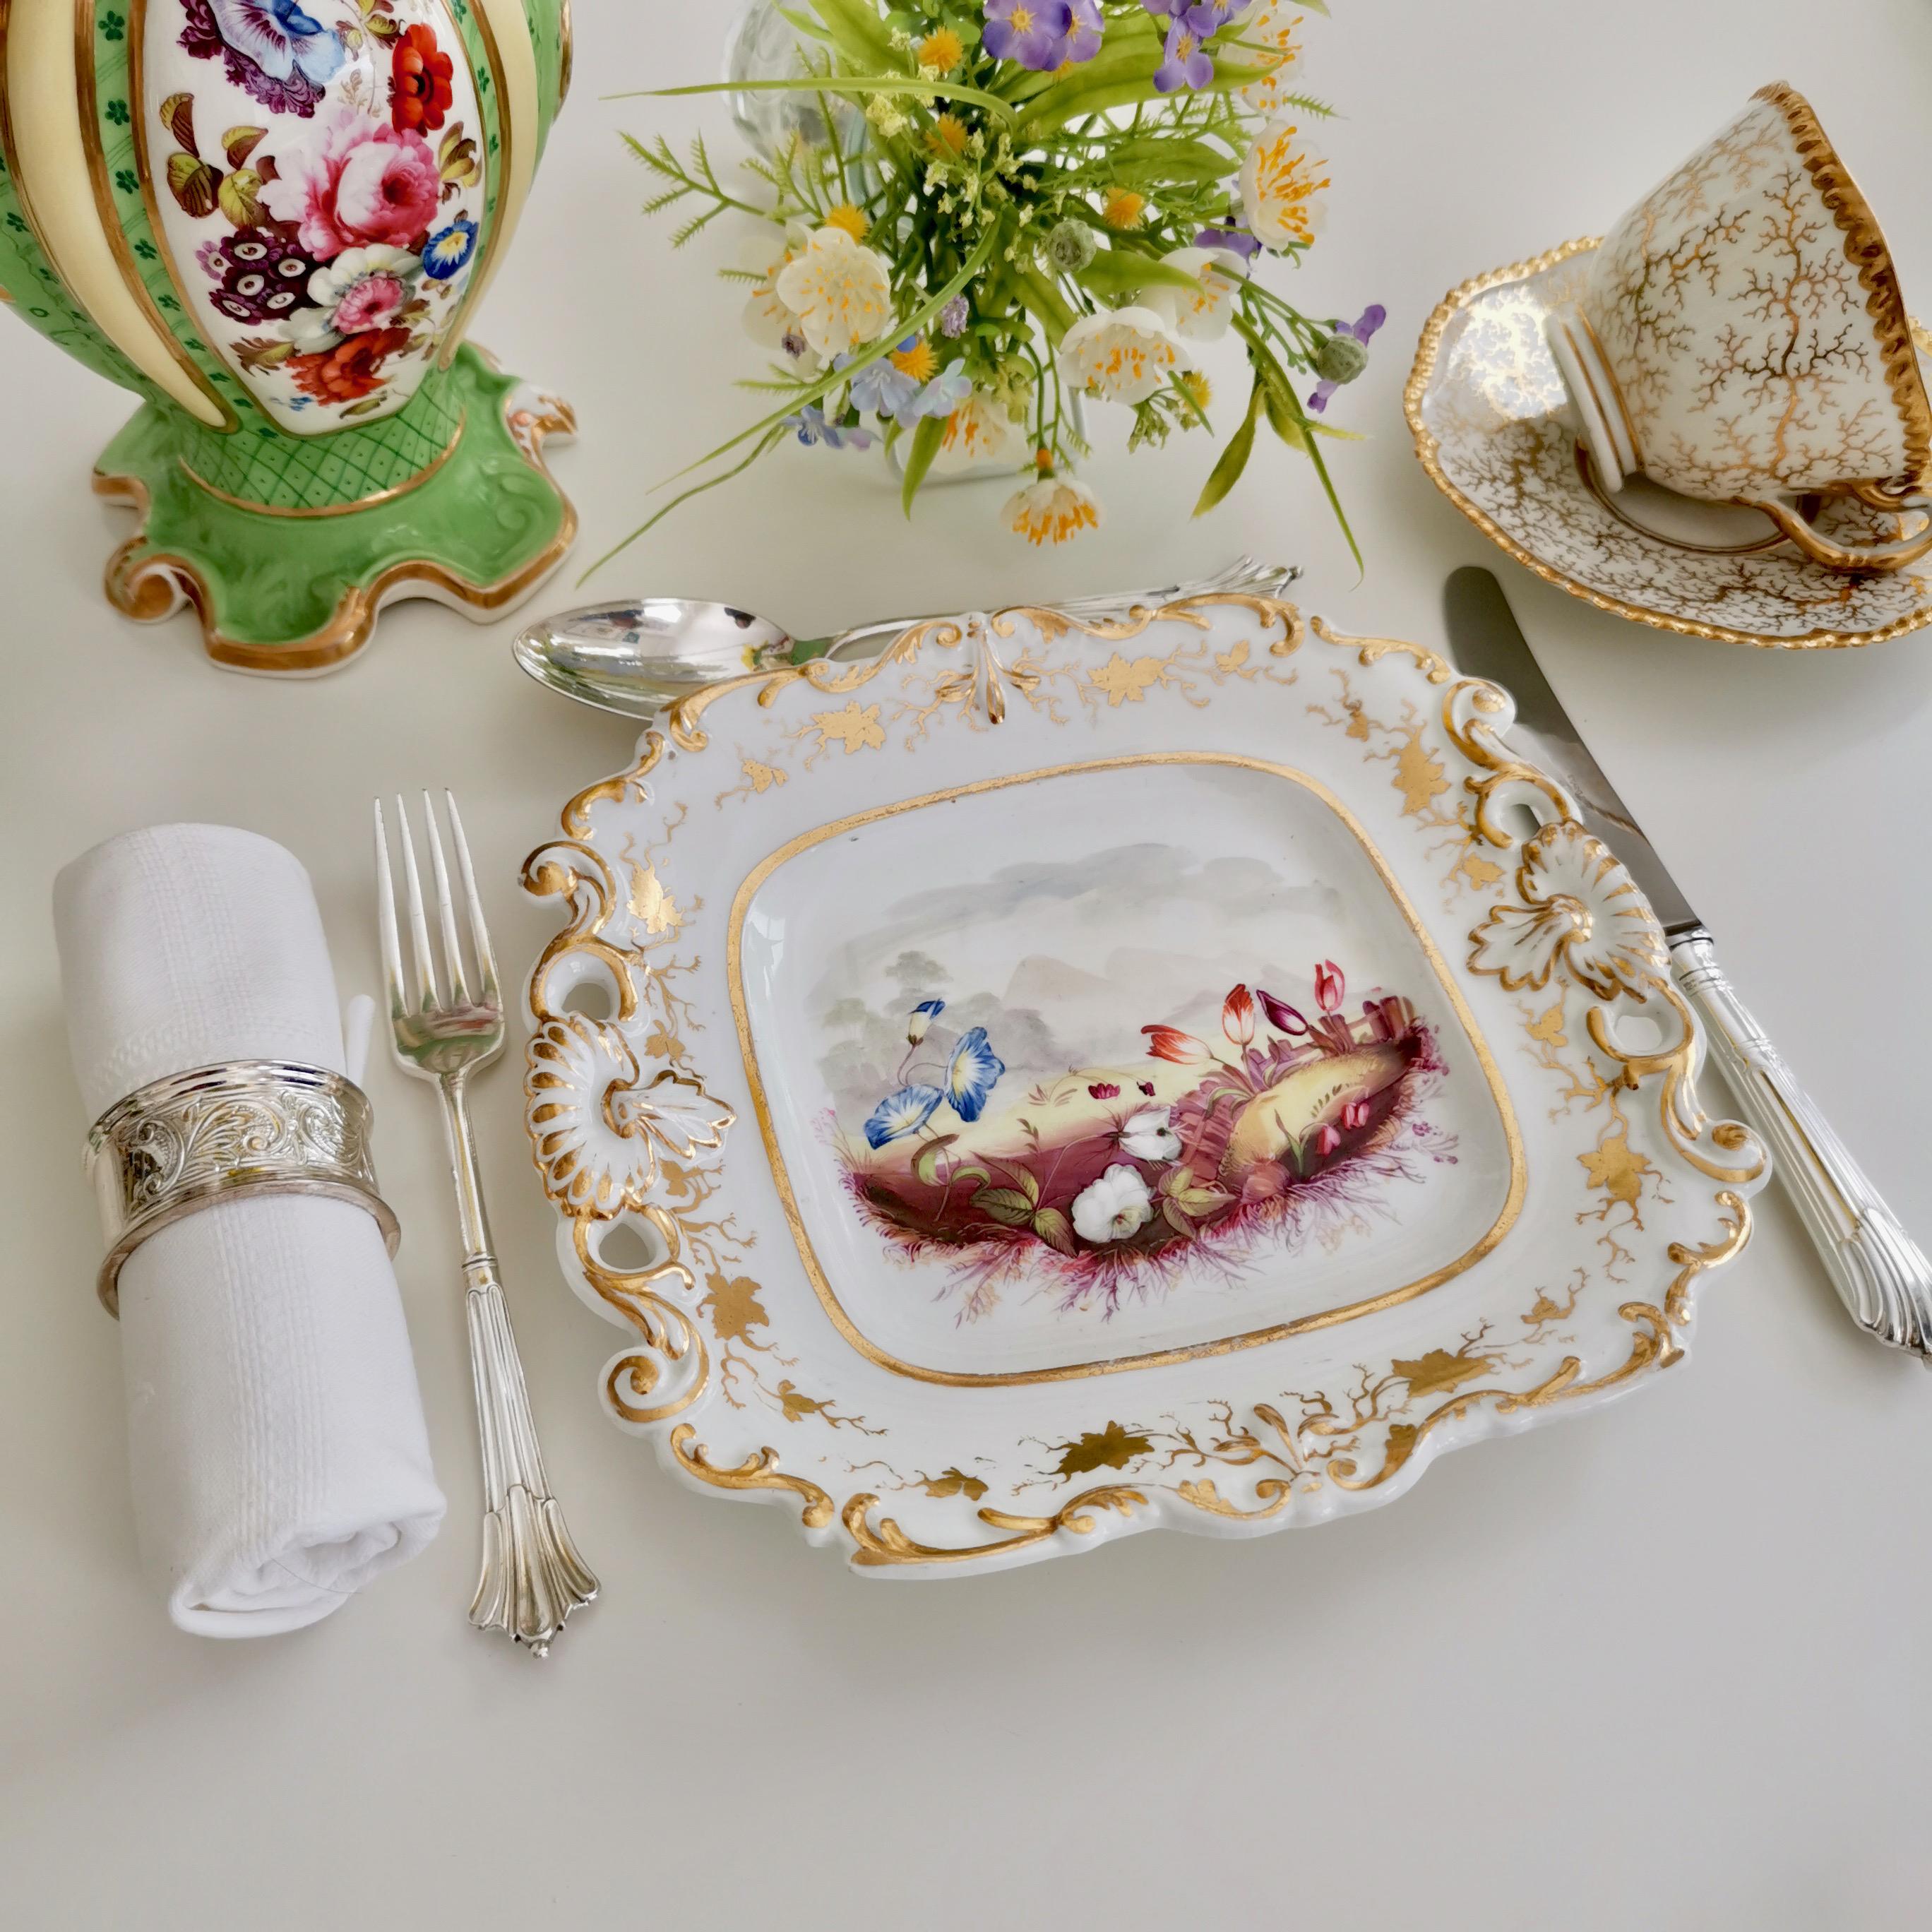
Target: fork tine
{"points": [[425, 961], [486, 962], [385, 919], [452, 949]]}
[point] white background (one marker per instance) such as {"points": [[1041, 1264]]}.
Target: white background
{"points": [[1664, 1666]]}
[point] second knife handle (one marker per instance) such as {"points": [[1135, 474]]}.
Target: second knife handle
{"points": [[1880, 1272]]}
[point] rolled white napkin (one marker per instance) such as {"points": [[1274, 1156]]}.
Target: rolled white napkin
{"points": [[274, 1427]]}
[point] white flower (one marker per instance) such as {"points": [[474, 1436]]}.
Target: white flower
{"points": [[1273, 29], [840, 291], [1147, 1136], [1122, 355], [1205, 315], [1279, 183], [767, 318], [1054, 509], [1112, 1208], [978, 430], [361, 288]]}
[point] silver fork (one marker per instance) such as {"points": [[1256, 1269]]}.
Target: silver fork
{"points": [[532, 1576]]}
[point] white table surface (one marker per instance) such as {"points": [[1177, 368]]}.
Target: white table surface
{"points": [[1667, 1665]]}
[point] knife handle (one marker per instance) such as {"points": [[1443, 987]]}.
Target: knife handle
{"points": [[1881, 1275]]}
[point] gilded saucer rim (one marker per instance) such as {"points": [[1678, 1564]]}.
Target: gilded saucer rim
{"points": [[1421, 377]]}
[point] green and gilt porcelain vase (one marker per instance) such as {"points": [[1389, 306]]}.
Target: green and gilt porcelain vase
{"points": [[272, 220]]}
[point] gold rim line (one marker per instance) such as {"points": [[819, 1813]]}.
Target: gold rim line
{"points": [[1865, 249], [1415, 391], [1225, 1344], [104, 196], [388, 496], [150, 587], [489, 249], [1609, 376]]}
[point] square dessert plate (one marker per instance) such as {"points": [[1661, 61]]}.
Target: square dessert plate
{"points": [[1060, 1079]]}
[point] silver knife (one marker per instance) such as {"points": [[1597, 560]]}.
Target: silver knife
{"points": [[1881, 1275]]}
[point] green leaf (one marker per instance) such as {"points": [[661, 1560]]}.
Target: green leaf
{"points": [[925, 441], [1054, 1229], [1029, 1184], [926, 1164], [237, 195], [1227, 472], [1119, 272], [843, 83], [193, 183], [856, 30], [1007, 1205], [1150, 158], [1172, 1214], [772, 427], [1267, 368]]}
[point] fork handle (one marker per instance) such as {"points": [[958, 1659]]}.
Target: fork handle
{"points": [[531, 1576], [1881, 1274]]}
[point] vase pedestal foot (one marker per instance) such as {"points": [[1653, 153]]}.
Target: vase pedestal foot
{"points": [[294, 586]]}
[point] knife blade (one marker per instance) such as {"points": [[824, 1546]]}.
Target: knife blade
{"points": [[1489, 643], [1879, 1272]]}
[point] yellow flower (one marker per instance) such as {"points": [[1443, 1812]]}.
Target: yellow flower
{"points": [[1051, 510], [1121, 355], [1198, 387], [854, 221], [941, 50], [839, 290], [1273, 29], [947, 139], [1122, 208], [919, 361], [1279, 183]]}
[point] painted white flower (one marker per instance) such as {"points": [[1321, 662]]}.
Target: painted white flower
{"points": [[840, 291], [1280, 185], [978, 430], [1113, 1208], [1147, 1136], [1051, 510], [1204, 316], [1122, 355], [361, 288]]}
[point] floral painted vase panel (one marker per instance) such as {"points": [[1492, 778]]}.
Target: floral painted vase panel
{"points": [[1169, 1064], [319, 170]]}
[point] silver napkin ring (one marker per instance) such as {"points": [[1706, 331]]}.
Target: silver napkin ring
{"points": [[182, 1143]]}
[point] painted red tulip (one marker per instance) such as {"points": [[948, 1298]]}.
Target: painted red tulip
{"points": [[1281, 1015], [1329, 986], [1324, 1141], [1355, 1115], [1147, 1087], [1105, 1089], [1237, 1016], [1167, 1042]]}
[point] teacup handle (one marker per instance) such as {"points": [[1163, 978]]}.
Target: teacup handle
{"points": [[1893, 556]]}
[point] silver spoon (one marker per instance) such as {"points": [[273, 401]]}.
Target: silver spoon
{"points": [[635, 655]]}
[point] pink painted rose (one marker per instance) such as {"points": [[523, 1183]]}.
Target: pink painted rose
{"points": [[369, 304], [359, 183]]}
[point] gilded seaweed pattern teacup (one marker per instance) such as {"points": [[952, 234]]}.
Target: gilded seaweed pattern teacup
{"points": [[1742, 339]]}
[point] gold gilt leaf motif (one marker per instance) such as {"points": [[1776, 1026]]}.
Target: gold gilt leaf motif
{"points": [[651, 903], [1120, 681], [1361, 1438]]}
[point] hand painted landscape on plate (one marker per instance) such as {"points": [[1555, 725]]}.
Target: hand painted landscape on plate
{"points": [[1095, 1136]]}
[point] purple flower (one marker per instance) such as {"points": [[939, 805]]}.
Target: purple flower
{"points": [[812, 427], [882, 388], [1237, 241], [955, 315], [1187, 64], [1337, 365], [940, 397], [270, 49], [1084, 41], [1036, 33]]}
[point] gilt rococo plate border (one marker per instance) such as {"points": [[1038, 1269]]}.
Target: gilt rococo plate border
{"points": [[1623, 1194]]}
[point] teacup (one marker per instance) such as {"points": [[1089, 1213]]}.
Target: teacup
{"points": [[1741, 339]]}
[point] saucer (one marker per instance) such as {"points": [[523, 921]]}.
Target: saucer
{"points": [[1490, 415]]}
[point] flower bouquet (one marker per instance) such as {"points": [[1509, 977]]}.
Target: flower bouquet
{"points": [[971, 215]]}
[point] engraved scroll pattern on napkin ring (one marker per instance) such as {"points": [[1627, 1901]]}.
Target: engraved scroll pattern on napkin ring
{"points": [[182, 1143]]}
